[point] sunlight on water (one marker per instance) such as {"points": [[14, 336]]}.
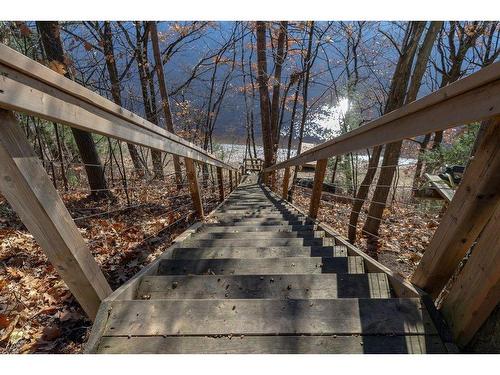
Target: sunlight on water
{"points": [[331, 117]]}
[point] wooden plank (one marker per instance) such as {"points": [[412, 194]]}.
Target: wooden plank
{"points": [[259, 236], [319, 176], [194, 187], [269, 317], [259, 252], [220, 180], [291, 265], [440, 186], [327, 286], [222, 243], [286, 182], [24, 94], [474, 203], [476, 291], [29, 190], [24, 67], [411, 344], [470, 99]]}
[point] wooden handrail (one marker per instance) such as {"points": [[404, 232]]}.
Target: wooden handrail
{"points": [[470, 99], [30, 87]]}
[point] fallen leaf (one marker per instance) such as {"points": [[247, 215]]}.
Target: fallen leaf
{"points": [[50, 333], [57, 67]]}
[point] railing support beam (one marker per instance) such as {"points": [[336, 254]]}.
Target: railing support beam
{"points": [[286, 182], [220, 180], [319, 176], [29, 190], [472, 206], [230, 180], [476, 291], [194, 187]]}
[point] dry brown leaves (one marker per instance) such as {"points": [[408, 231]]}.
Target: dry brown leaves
{"points": [[37, 311]]}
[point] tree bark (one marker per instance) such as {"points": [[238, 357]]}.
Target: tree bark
{"points": [[54, 52], [395, 99], [393, 150], [109, 56], [165, 100], [142, 62], [265, 112]]}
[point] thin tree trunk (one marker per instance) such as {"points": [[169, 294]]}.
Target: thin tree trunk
{"points": [[265, 111], [396, 97], [275, 110], [393, 150], [109, 56], [52, 45], [165, 100], [305, 90], [141, 59]]}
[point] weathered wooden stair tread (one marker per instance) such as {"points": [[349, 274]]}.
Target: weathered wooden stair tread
{"points": [[346, 316], [259, 242], [410, 344], [290, 265], [373, 285], [259, 277], [258, 252]]}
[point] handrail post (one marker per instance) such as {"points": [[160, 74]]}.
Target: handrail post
{"points": [[221, 183], [286, 181], [319, 176], [194, 187], [230, 180], [470, 209], [29, 190]]}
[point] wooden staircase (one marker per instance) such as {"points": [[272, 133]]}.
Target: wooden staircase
{"points": [[259, 277]]}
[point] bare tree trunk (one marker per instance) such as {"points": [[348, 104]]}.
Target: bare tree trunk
{"points": [[393, 150], [109, 56], [396, 97], [265, 112], [164, 97], [275, 110], [149, 105], [52, 45], [305, 91]]}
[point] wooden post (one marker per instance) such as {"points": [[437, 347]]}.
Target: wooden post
{"points": [[221, 183], [476, 291], [230, 180], [27, 187], [194, 188], [286, 182], [319, 176], [472, 206]]}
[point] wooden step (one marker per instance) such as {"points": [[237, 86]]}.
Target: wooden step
{"points": [[344, 316], [217, 228], [325, 286], [259, 235], [259, 252], [263, 222], [257, 242], [410, 344], [292, 265]]}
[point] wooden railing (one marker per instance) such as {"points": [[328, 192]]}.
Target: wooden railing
{"points": [[472, 217], [252, 164], [31, 88]]}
